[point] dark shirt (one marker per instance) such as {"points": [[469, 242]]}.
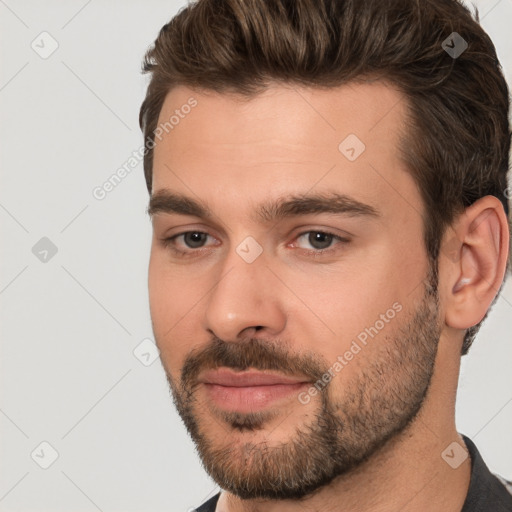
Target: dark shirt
{"points": [[487, 492]]}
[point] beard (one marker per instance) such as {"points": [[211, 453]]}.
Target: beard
{"points": [[379, 402]]}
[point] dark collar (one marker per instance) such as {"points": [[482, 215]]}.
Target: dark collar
{"points": [[486, 492], [209, 506]]}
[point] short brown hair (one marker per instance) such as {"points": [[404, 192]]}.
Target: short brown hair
{"points": [[458, 142]]}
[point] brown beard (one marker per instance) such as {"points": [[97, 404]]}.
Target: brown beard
{"points": [[379, 403]]}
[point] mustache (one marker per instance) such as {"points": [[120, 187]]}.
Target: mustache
{"points": [[251, 353]]}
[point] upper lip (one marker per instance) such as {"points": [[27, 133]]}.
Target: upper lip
{"points": [[225, 377]]}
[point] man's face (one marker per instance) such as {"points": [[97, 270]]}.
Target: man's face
{"points": [[341, 299]]}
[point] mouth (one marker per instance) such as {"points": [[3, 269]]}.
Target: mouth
{"points": [[249, 391]]}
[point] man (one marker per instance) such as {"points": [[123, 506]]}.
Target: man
{"points": [[328, 183]]}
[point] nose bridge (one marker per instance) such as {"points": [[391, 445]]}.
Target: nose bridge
{"points": [[244, 296]]}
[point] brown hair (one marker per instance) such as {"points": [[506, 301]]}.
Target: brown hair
{"points": [[458, 141]]}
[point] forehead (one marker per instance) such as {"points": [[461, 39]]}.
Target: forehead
{"points": [[287, 139], [287, 112]]}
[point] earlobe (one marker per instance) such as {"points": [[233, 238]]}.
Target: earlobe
{"points": [[482, 246]]}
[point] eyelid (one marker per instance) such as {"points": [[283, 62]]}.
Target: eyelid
{"points": [[341, 233]]}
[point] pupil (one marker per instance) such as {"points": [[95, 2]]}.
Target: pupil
{"points": [[194, 239]]}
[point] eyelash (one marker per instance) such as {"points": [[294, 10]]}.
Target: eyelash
{"points": [[169, 243]]}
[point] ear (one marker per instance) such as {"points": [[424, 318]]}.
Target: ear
{"points": [[475, 251]]}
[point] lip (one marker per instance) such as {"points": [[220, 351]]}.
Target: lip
{"points": [[225, 377], [249, 391]]}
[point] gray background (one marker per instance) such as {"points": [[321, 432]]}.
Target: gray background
{"points": [[70, 324]]}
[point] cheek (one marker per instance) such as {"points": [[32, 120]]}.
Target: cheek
{"points": [[159, 296], [172, 296], [348, 302], [167, 299]]}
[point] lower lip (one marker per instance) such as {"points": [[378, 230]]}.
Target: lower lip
{"points": [[251, 398]]}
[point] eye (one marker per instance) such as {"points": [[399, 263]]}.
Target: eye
{"points": [[194, 241], [191, 239], [321, 241]]}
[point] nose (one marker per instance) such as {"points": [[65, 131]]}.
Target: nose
{"points": [[247, 298]]}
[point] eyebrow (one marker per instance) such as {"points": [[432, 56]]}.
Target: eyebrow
{"points": [[165, 201]]}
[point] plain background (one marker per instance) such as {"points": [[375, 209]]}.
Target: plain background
{"points": [[68, 374]]}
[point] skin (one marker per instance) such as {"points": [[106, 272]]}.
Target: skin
{"points": [[234, 154]]}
